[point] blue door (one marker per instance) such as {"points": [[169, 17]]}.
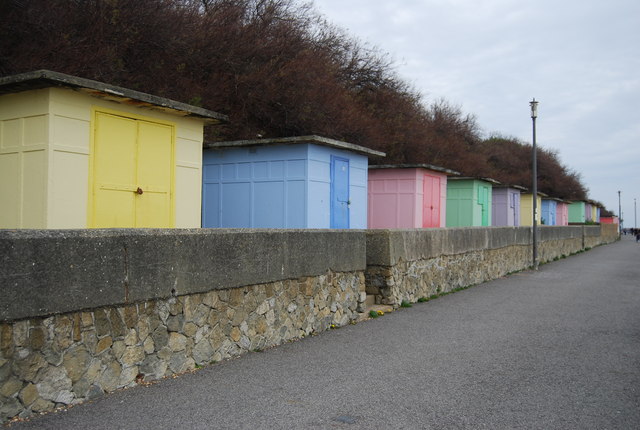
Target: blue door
{"points": [[339, 192]]}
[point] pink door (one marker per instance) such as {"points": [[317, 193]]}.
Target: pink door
{"points": [[431, 201]]}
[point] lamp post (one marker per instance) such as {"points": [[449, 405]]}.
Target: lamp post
{"points": [[619, 213], [534, 168], [635, 214]]}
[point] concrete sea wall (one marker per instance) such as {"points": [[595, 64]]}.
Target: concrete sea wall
{"points": [[84, 312]]}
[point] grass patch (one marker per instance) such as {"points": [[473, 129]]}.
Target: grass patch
{"points": [[405, 304], [439, 293], [513, 272], [457, 289]]}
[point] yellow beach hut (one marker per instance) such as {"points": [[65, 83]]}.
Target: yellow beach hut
{"points": [[526, 209], [77, 153]]}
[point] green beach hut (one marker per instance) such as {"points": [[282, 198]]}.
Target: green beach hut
{"points": [[469, 202]]}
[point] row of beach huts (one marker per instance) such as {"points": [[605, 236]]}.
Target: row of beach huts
{"points": [[77, 153]]}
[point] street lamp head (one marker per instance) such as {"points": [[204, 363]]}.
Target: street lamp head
{"points": [[534, 108]]}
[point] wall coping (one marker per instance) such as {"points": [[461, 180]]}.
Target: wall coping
{"points": [[44, 272], [387, 247]]}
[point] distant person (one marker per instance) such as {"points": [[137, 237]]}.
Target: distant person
{"points": [[638, 236]]}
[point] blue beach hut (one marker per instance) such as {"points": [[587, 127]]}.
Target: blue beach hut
{"points": [[292, 182], [549, 211]]}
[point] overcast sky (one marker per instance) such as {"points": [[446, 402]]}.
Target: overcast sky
{"points": [[579, 58]]}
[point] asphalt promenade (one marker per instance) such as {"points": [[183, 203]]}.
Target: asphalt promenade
{"points": [[554, 349]]}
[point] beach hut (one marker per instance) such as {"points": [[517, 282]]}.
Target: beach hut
{"points": [[469, 201], [77, 153], [549, 211], [577, 213], [291, 182], [526, 209], [505, 205], [595, 212], [407, 196], [609, 220], [588, 211], [562, 212]]}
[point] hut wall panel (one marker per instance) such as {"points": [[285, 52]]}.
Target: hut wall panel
{"points": [[256, 187], [10, 190], [68, 189], [24, 123], [460, 203], [443, 201], [395, 198]]}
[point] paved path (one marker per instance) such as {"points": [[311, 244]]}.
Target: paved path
{"points": [[553, 349]]}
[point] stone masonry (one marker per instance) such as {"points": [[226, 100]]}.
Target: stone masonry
{"points": [[411, 280], [73, 357], [409, 265]]}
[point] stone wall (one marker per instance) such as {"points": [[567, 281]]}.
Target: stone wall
{"points": [[406, 265], [609, 232], [603, 233], [91, 311], [410, 280], [69, 358]]}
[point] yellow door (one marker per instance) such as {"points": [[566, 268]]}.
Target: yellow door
{"points": [[153, 207], [132, 172]]}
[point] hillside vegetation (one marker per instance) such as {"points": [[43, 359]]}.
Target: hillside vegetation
{"points": [[276, 67]]}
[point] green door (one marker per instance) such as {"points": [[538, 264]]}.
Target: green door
{"points": [[483, 200]]}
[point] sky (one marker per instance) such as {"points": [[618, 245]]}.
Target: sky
{"points": [[579, 58]]}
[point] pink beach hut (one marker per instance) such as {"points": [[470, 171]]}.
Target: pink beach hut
{"points": [[407, 196], [562, 212]]}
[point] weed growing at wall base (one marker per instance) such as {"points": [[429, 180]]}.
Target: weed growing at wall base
{"points": [[406, 304]]}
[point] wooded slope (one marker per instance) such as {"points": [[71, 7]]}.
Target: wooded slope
{"points": [[276, 67]]}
